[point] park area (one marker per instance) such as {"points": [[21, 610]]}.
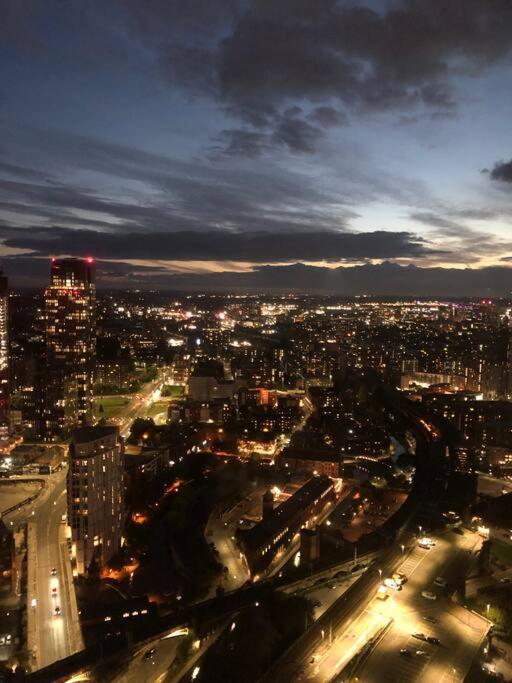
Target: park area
{"points": [[108, 407]]}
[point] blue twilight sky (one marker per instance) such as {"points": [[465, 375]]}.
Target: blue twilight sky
{"points": [[219, 144]]}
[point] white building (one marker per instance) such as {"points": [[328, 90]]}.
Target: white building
{"points": [[95, 494]]}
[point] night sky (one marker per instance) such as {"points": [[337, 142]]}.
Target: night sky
{"points": [[349, 147]]}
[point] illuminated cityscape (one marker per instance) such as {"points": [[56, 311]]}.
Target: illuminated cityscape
{"points": [[256, 341]]}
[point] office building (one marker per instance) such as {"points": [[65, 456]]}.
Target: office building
{"points": [[95, 494], [70, 345], [4, 356], [208, 381]]}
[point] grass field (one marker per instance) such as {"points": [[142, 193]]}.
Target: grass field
{"points": [[112, 406], [173, 391], [157, 407]]}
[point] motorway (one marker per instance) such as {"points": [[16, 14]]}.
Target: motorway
{"points": [[460, 631], [322, 659], [49, 637], [145, 666]]}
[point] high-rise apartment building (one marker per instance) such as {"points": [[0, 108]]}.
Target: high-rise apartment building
{"points": [[70, 345], [95, 494], [4, 355]]}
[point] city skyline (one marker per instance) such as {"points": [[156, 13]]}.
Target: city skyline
{"points": [[256, 147]]}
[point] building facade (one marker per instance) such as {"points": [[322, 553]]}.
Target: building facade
{"points": [[70, 345], [4, 355], [95, 494], [276, 531]]}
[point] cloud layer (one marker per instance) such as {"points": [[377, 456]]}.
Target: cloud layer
{"points": [[219, 245]]}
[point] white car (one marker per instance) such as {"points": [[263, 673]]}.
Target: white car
{"points": [[391, 583], [426, 543], [428, 595], [439, 581]]}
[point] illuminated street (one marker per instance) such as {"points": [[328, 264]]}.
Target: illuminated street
{"points": [[459, 631], [149, 666], [138, 406], [50, 636]]}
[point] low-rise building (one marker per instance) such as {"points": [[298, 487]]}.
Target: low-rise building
{"points": [[317, 461], [276, 531]]}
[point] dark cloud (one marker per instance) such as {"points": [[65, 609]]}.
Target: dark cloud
{"points": [[258, 58], [298, 135], [502, 171], [432, 219], [379, 280], [239, 142], [328, 116], [263, 57], [168, 194], [220, 245]]}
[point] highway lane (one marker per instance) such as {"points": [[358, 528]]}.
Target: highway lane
{"points": [[151, 663], [460, 632], [138, 406], [358, 615], [49, 637]]}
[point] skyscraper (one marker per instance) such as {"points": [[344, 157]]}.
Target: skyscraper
{"points": [[70, 345], [95, 494], [4, 355]]}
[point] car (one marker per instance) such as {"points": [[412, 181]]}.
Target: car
{"points": [[430, 619], [53, 571], [419, 636], [433, 640], [421, 653], [405, 652], [425, 543], [428, 595], [505, 579], [391, 583], [149, 655], [440, 581], [56, 611]]}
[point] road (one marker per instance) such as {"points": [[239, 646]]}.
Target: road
{"points": [[349, 625], [459, 631], [49, 637], [139, 404], [220, 531], [491, 486], [144, 666]]}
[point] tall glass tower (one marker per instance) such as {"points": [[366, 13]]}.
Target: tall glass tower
{"points": [[70, 345]]}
